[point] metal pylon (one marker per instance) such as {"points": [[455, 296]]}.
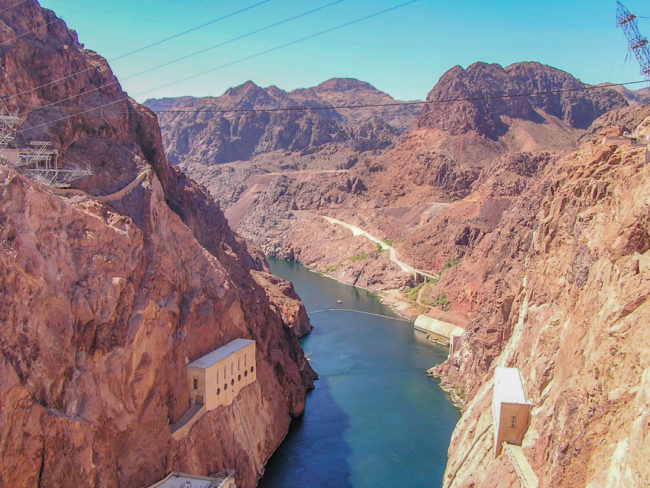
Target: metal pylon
{"points": [[8, 125], [638, 44]]}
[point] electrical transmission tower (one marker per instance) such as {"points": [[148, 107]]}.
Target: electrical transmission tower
{"points": [[626, 20], [8, 124], [37, 161]]}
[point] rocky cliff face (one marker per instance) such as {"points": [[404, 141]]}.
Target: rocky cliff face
{"points": [[216, 130], [578, 290], [104, 304], [473, 112]]}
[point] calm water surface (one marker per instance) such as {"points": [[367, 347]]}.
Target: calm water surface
{"points": [[374, 419]]}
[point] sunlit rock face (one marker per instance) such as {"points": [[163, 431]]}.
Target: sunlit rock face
{"points": [[102, 305]]}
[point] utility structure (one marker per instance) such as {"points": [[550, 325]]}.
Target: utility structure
{"points": [[638, 44], [36, 161], [8, 125]]}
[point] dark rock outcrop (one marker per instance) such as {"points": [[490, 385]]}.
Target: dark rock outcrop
{"points": [[216, 130], [476, 98]]}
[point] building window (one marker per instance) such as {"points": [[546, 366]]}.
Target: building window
{"points": [[244, 361], [513, 422], [246, 373], [238, 377], [225, 386], [195, 383], [252, 368], [232, 382], [218, 390], [232, 365]]}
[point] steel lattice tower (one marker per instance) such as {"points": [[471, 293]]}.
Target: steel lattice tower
{"points": [[626, 20]]}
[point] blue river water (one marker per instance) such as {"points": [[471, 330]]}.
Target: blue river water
{"points": [[374, 418]]}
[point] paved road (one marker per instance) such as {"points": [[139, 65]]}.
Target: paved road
{"points": [[356, 231]]}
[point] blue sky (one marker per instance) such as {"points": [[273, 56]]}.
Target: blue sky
{"points": [[402, 52]]}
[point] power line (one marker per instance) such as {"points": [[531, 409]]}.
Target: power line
{"points": [[157, 43], [396, 104], [282, 46], [336, 107], [232, 63], [57, 19], [200, 51], [122, 56], [12, 6]]}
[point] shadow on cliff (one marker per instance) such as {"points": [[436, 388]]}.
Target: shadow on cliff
{"points": [[314, 453]]}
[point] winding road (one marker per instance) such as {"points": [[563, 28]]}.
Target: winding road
{"points": [[392, 254]]}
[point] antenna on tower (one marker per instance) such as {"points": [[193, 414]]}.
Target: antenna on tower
{"points": [[638, 44]]}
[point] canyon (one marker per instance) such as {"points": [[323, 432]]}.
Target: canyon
{"points": [[533, 213], [519, 194]]}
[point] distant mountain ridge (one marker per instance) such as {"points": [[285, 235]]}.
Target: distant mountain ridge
{"points": [[485, 93], [215, 138]]}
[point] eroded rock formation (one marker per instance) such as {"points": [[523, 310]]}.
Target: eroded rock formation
{"points": [[102, 305], [572, 323]]}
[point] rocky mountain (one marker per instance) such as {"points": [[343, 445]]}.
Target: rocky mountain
{"points": [[532, 209], [109, 289], [442, 187], [638, 96], [217, 130], [484, 94]]}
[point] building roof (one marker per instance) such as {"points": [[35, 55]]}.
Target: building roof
{"points": [[218, 354], [508, 387], [436, 326], [184, 480]]}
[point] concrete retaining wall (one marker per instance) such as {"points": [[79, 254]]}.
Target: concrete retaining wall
{"points": [[438, 330]]}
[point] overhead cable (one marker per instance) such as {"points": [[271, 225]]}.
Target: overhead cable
{"points": [[200, 51], [331, 29], [122, 56], [336, 107], [395, 104]]}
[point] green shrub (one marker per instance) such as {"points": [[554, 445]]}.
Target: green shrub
{"points": [[388, 241], [440, 300], [359, 257]]}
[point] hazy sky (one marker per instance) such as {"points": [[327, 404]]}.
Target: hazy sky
{"points": [[402, 52]]}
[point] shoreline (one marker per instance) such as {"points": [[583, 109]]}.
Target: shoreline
{"points": [[384, 296]]}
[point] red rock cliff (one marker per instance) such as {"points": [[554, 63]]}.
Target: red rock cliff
{"points": [[569, 312], [102, 305]]}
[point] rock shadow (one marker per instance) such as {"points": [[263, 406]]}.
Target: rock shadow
{"points": [[315, 452]]}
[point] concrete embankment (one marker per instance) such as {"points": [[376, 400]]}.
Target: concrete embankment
{"points": [[438, 330]]}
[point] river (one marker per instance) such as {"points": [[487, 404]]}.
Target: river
{"points": [[374, 418]]}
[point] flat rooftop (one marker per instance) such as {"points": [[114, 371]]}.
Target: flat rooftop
{"points": [[183, 480], [218, 354], [508, 387]]}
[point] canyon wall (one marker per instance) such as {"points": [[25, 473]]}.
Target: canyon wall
{"points": [[102, 305], [574, 325]]}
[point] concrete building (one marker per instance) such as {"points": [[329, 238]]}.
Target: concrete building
{"points": [[510, 409], [217, 378]]}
